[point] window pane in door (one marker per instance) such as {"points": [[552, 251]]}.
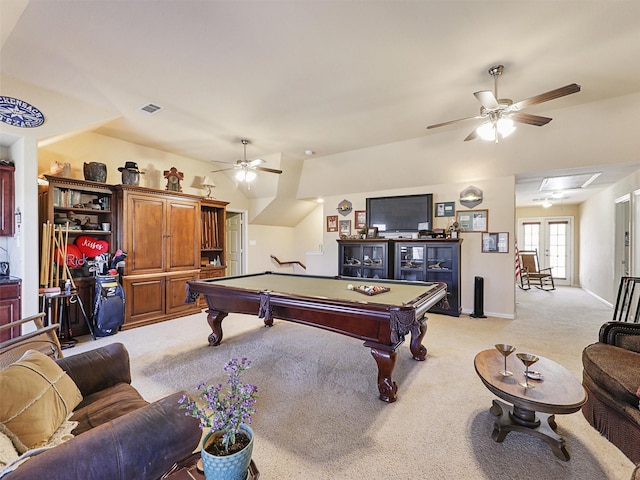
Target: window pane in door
{"points": [[531, 236], [558, 249]]}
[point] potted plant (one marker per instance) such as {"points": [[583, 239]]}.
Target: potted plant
{"points": [[225, 415]]}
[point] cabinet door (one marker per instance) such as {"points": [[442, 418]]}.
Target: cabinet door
{"points": [[10, 308], [144, 234], [144, 299], [442, 266], [410, 262], [177, 293], [183, 235], [350, 259], [6, 201], [374, 261]]}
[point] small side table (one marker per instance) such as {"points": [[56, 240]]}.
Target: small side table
{"points": [[64, 301], [188, 470], [532, 411]]}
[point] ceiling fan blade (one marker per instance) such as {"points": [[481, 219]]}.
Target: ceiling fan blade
{"points": [[471, 136], [451, 122], [223, 170], [529, 119], [487, 99], [256, 162], [545, 97], [270, 170], [226, 163]]}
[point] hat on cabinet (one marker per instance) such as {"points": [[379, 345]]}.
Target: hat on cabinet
{"points": [[133, 166]]}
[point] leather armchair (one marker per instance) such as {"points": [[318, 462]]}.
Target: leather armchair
{"points": [[120, 436], [610, 377]]}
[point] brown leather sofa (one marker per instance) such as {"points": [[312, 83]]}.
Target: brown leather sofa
{"points": [[119, 436], [611, 376]]}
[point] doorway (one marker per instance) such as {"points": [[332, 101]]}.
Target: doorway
{"points": [[552, 237], [236, 235], [622, 238]]}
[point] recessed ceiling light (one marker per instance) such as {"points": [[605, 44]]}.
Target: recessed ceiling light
{"points": [[309, 152], [567, 182]]}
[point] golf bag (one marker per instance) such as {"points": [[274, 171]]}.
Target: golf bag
{"points": [[108, 311]]}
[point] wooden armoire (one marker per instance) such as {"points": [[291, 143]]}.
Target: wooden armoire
{"points": [[160, 231]]}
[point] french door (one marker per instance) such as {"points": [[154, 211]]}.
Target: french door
{"points": [[552, 237]]}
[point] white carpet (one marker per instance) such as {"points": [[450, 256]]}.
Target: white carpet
{"points": [[319, 415]]}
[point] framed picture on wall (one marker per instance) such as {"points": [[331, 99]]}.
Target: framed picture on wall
{"points": [[332, 223], [495, 242], [345, 227], [361, 219], [473, 220], [446, 209]]}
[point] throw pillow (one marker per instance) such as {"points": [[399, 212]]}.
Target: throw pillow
{"points": [[37, 396]]}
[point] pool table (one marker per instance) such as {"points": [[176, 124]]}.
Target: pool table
{"points": [[381, 320]]}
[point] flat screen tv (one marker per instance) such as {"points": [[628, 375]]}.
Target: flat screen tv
{"points": [[400, 214]]}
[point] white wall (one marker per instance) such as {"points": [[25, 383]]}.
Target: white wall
{"points": [[597, 246], [23, 248]]}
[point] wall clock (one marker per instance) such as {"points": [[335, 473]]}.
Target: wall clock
{"points": [[18, 113], [173, 177]]}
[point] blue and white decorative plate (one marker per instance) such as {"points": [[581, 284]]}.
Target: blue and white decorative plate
{"points": [[18, 113]]}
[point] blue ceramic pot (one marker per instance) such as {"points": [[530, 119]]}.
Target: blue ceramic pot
{"points": [[228, 467]]}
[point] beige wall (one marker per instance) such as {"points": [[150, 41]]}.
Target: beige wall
{"points": [[558, 211], [93, 147], [593, 220], [497, 269]]}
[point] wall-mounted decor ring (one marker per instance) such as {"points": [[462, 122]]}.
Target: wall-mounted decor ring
{"points": [[18, 113]]}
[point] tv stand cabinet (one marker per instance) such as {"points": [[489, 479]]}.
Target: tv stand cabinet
{"points": [[421, 260], [432, 260]]}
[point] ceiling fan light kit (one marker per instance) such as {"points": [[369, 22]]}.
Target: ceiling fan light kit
{"points": [[499, 114], [246, 170]]}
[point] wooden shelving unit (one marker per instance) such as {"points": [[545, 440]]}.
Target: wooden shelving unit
{"points": [[213, 215]]}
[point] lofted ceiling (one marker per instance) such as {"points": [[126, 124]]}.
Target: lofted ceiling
{"points": [[330, 77]]}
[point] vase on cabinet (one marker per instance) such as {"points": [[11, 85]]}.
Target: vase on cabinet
{"points": [[95, 172]]}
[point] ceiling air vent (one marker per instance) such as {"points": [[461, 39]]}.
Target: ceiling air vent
{"points": [[150, 109]]}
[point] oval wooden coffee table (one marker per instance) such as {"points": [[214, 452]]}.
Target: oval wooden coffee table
{"points": [[532, 410]]}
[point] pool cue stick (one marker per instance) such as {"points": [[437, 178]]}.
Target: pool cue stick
{"points": [[66, 266], [43, 256], [52, 258]]}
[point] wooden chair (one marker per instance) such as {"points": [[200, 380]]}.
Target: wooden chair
{"points": [[43, 339], [628, 300], [532, 274]]}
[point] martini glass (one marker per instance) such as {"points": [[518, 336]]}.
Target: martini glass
{"points": [[528, 359], [506, 350]]}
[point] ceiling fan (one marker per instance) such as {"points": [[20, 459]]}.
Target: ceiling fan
{"points": [[500, 113], [246, 170]]}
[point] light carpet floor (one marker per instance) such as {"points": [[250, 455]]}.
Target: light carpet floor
{"points": [[319, 414]]}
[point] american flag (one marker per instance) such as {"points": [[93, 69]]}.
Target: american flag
{"points": [[517, 260]]}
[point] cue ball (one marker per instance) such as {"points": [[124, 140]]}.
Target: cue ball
{"points": [[349, 287]]}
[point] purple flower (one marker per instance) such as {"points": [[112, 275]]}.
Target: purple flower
{"points": [[224, 411]]}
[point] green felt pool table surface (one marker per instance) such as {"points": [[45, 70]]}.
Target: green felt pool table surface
{"points": [[327, 287]]}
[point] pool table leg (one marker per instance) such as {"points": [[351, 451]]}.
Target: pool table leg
{"points": [[214, 319], [386, 361], [418, 350]]}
